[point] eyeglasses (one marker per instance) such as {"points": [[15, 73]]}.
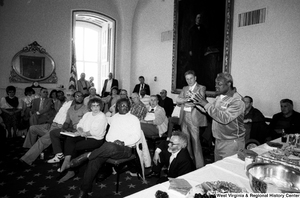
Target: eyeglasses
{"points": [[123, 105], [172, 143], [78, 96]]}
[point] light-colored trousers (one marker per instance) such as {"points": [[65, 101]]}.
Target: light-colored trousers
{"points": [[43, 142], [194, 144], [225, 148]]}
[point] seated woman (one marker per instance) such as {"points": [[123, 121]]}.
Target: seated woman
{"points": [[11, 107], [56, 104], [111, 99], [27, 104], [91, 130]]}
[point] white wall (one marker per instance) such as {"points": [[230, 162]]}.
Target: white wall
{"points": [[150, 56], [49, 23], [265, 57]]}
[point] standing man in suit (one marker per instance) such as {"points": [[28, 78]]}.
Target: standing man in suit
{"points": [[156, 121], [174, 155], [83, 85], [41, 111], [166, 102], [192, 117], [108, 84], [142, 85]]}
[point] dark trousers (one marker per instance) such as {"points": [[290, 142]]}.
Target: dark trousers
{"points": [[55, 140], [77, 144], [98, 157], [164, 156]]}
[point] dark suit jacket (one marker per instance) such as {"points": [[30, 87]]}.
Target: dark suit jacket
{"points": [[46, 114], [277, 121], [114, 83], [168, 105], [181, 165], [137, 89]]}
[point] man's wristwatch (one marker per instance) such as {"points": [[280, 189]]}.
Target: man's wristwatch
{"points": [[38, 113]]}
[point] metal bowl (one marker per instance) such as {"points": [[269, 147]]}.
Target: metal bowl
{"points": [[273, 178]]}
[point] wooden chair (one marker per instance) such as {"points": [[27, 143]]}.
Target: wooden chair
{"points": [[119, 164]]}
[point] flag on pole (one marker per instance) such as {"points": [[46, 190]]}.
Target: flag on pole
{"points": [[73, 77]]}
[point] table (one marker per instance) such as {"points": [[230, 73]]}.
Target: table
{"points": [[230, 169]]}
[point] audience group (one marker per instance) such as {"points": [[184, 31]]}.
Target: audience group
{"points": [[110, 125]]}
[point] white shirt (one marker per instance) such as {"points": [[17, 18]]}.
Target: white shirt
{"points": [[150, 115], [189, 109], [126, 128], [172, 157], [61, 115], [95, 124], [108, 85]]}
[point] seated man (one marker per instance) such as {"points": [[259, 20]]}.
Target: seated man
{"points": [[93, 94], [287, 121], [254, 120], [156, 121], [144, 98], [174, 155], [43, 131], [74, 114], [166, 102], [123, 134], [138, 108], [41, 111]]}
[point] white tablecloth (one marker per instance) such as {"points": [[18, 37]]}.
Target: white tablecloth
{"points": [[230, 169]]}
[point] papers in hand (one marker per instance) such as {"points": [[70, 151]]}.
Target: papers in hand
{"points": [[71, 134]]}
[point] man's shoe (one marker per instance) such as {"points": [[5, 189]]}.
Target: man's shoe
{"points": [[78, 160], [56, 158], [152, 174], [103, 175], [82, 194]]}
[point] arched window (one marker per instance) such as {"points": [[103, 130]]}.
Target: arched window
{"points": [[94, 36]]}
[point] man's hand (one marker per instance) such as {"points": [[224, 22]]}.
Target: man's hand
{"points": [[156, 158], [199, 99], [189, 102], [247, 120], [118, 142]]}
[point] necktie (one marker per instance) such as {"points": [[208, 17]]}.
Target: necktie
{"points": [[41, 104], [151, 111]]}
